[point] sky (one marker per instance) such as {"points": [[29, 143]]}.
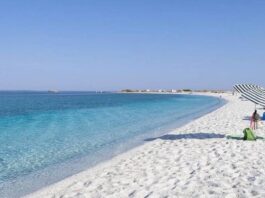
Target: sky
{"points": [[138, 44]]}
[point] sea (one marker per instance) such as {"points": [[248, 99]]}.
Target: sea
{"points": [[46, 137]]}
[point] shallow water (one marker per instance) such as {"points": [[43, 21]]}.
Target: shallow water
{"points": [[70, 131]]}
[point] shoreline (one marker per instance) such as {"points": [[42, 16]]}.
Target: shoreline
{"points": [[194, 156], [42, 178], [121, 156]]}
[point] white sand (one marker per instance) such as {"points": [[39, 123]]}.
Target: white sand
{"points": [[202, 164]]}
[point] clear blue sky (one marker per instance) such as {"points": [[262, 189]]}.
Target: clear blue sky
{"points": [[116, 44]]}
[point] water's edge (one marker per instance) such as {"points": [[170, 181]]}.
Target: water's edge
{"points": [[42, 179]]}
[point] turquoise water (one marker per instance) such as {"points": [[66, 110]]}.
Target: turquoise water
{"points": [[69, 131]]}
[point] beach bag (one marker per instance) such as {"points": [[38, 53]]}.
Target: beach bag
{"points": [[249, 134]]}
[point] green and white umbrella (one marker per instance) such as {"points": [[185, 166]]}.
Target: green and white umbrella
{"points": [[256, 96], [241, 88]]}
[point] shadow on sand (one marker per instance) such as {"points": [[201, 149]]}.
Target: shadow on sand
{"points": [[247, 118], [241, 138], [199, 136]]}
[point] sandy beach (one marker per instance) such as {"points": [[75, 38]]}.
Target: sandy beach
{"points": [[196, 160]]}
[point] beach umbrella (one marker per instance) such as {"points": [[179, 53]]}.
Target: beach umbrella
{"points": [[241, 88], [256, 96]]}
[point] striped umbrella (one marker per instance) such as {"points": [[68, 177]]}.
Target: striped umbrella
{"points": [[241, 88], [255, 95]]}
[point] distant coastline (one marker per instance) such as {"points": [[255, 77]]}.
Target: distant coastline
{"points": [[172, 91]]}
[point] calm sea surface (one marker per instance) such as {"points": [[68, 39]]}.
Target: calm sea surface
{"points": [[46, 137]]}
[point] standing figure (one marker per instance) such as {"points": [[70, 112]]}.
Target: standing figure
{"points": [[254, 120]]}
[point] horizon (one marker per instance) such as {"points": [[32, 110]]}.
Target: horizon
{"points": [[82, 46], [108, 91]]}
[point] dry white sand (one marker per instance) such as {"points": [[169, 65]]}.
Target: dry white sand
{"points": [[195, 160]]}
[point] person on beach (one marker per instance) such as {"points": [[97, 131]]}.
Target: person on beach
{"points": [[254, 120]]}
